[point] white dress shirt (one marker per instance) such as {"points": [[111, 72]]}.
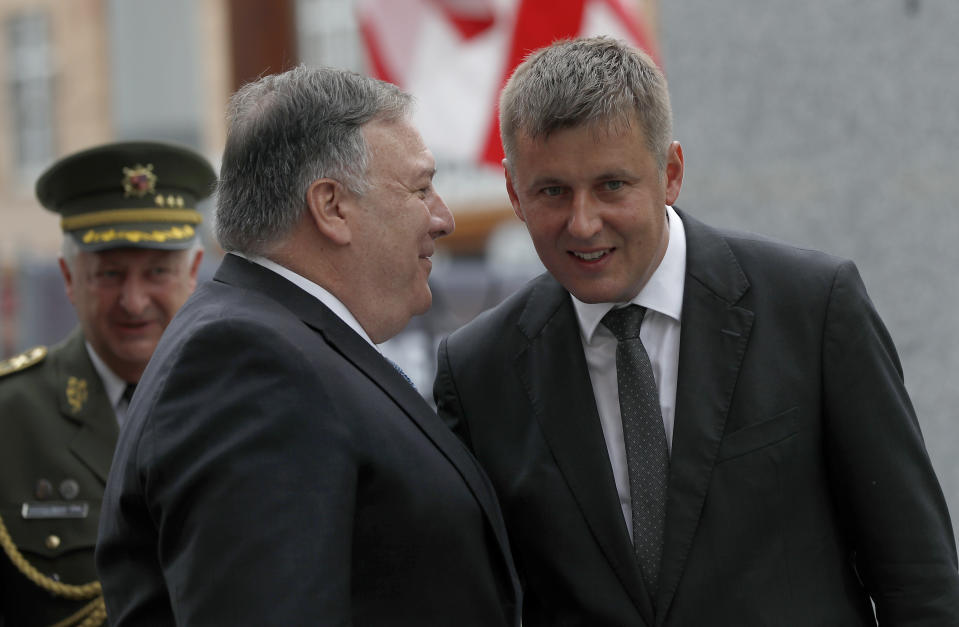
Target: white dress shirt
{"points": [[662, 296]]}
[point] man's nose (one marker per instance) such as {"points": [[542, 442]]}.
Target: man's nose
{"points": [[134, 295], [441, 218], [584, 219]]}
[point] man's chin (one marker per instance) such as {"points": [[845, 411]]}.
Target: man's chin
{"points": [[423, 303], [595, 296]]}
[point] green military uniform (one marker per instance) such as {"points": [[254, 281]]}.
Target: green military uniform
{"points": [[58, 429], [57, 435]]}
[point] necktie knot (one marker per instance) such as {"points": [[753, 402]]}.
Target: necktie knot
{"points": [[624, 322], [128, 392]]}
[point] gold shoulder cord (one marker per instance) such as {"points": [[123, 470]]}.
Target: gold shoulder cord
{"points": [[92, 614]]}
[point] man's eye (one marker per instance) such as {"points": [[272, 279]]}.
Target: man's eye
{"points": [[613, 185], [553, 190], [108, 278], [158, 273]]}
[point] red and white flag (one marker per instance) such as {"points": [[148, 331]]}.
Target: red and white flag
{"points": [[455, 56]]}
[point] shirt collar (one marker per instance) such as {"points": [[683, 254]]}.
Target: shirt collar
{"points": [[663, 293], [112, 384], [312, 288]]}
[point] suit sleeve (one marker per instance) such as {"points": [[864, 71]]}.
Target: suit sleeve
{"points": [[885, 485], [251, 470]]}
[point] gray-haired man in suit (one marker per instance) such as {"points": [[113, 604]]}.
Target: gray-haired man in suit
{"points": [[276, 469]]}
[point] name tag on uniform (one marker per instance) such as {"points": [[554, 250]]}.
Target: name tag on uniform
{"points": [[52, 510]]}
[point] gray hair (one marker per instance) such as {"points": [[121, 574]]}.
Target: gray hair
{"points": [[588, 81], [286, 131]]}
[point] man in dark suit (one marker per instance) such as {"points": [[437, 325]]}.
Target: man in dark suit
{"points": [[276, 468], [777, 476], [129, 260]]}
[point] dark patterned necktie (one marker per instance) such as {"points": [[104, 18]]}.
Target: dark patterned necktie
{"points": [[647, 456]]}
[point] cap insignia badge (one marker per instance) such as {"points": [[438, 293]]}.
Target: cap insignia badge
{"points": [[139, 181], [76, 393]]}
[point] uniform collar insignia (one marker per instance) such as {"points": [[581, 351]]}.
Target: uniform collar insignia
{"points": [[76, 393]]}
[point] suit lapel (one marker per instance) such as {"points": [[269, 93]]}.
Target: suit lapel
{"points": [[382, 373], [554, 372], [713, 340], [378, 369], [83, 400]]}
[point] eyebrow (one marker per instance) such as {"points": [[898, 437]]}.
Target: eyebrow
{"points": [[548, 181], [616, 174], [545, 181], [424, 174]]}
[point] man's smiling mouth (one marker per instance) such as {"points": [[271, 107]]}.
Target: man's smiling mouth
{"points": [[593, 256]]}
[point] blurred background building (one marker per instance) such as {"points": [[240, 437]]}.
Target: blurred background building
{"points": [[834, 125], [81, 72]]}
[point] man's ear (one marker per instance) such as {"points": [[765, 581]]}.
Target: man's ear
{"points": [[67, 278], [326, 199], [511, 191], [674, 172]]}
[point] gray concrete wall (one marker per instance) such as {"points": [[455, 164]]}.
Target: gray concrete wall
{"points": [[834, 124]]}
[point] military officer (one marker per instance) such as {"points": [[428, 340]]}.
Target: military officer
{"points": [[129, 259]]}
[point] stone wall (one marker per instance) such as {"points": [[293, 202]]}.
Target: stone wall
{"points": [[835, 125]]}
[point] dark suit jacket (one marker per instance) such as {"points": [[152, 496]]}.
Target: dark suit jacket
{"points": [[799, 482], [57, 431], [275, 469]]}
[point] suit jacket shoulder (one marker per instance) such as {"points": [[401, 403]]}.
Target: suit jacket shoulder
{"points": [[729, 261], [527, 311]]}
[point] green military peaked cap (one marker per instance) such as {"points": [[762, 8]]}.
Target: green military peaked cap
{"points": [[128, 194]]}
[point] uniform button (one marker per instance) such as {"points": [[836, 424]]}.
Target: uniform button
{"points": [[43, 490], [69, 489], [53, 541]]}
